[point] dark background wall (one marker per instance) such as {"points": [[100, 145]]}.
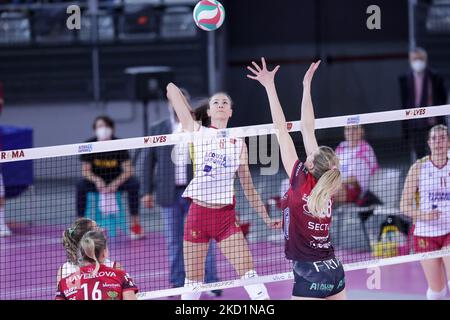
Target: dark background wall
{"points": [[360, 67], [256, 22], [359, 71]]}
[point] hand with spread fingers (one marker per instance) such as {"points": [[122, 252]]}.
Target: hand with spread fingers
{"points": [[262, 74]]}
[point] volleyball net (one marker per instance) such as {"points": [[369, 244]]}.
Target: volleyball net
{"points": [[125, 184]]}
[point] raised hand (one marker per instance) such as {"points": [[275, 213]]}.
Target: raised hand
{"points": [[261, 74], [307, 79]]}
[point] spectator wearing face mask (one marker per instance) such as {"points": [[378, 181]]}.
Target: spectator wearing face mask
{"points": [[108, 172], [421, 87]]}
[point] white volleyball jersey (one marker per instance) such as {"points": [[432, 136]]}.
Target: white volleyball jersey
{"points": [[215, 161], [434, 193], [68, 268]]}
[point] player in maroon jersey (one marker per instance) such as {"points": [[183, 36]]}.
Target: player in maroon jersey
{"points": [[94, 280], [307, 205]]}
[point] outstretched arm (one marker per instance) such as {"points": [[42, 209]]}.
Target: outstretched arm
{"points": [[308, 120], [267, 79], [250, 192], [181, 107]]}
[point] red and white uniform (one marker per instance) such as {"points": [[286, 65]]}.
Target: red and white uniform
{"points": [[107, 284], [433, 193], [307, 237], [216, 159]]}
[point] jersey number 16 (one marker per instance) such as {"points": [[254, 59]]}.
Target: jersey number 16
{"points": [[96, 294]]}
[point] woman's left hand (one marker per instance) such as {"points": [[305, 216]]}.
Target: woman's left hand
{"points": [[261, 74], [309, 75]]}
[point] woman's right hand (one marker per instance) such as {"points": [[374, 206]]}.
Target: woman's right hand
{"points": [[261, 74]]}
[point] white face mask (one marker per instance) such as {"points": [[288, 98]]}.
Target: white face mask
{"points": [[418, 66], [103, 133]]}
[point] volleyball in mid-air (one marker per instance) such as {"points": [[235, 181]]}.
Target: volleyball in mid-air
{"points": [[209, 15]]}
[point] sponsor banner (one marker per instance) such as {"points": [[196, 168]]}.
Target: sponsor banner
{"points": [[411, 113], [12, 155], [353, 120], [155, 139], [85, 148]]}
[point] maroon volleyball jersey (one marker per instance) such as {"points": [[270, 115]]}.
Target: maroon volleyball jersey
{"points": [[307, 237], [107, 284]]}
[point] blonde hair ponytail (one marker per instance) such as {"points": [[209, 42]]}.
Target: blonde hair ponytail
{"points": [[322, 192], [326, 171], [92, 245]]}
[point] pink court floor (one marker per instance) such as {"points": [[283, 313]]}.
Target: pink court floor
{"points": [[29, 260]]}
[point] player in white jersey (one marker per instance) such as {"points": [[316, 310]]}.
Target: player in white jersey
{"points": [[71, 238], [217, 158], [426, 198], [216, 161]]}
